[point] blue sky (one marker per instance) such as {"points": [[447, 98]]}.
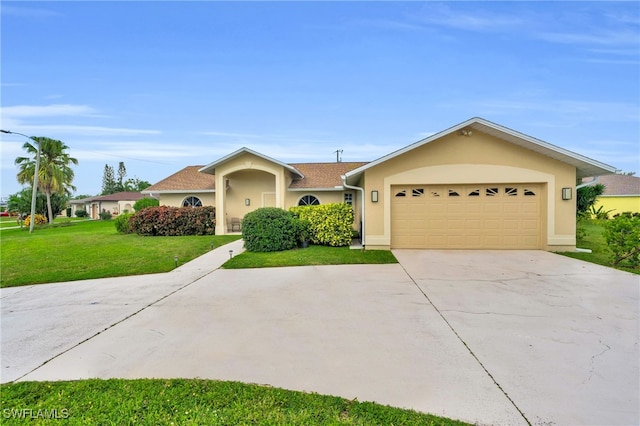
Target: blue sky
{"points": [[163, 85]]}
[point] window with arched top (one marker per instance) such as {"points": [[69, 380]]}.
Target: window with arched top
{"points": [[309, 200], [192, 202]]}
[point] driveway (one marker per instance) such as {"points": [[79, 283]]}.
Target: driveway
{"points": [[505, 337]]}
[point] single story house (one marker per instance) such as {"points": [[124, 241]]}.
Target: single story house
{"points": [[476, 185], [621, 194], [115, 203]]}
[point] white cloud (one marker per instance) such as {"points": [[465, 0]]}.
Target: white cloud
{"points": [[480, 20], [581, 110], [27, 12], [89, 130], [598, 37], [55, 110]]}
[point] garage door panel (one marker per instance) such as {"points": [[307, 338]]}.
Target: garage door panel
{"points": [[492, 208], [479, 216]]}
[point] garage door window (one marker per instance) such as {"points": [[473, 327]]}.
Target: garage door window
{"points": [[529, 193], [402, 193], [474, 193], [453, 193], [511, 192], [417, 192], [491, 192]]}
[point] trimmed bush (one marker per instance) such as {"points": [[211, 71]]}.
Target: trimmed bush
{"points": [[40, 220], [143, 203], [328, 224], [81, 213], [122, 223], [269, 229], [623, 237], [173, 221], [105, 215]]}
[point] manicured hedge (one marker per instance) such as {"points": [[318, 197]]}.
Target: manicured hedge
{"points": [[328, 224], [145, 202], [171, 221], [122, 223], [269, 229]]}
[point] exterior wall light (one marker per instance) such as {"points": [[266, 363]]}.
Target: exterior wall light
{"points": [[374, 196], [566, 193], [247, 202]]}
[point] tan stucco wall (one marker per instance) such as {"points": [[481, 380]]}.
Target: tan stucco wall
{"points": [[325, 197], [176, 200], [242, 167], [458, 159], [247, 184]]}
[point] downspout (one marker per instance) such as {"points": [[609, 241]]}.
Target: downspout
{"points": [[357, 188], [582, 185], [591, 182]]}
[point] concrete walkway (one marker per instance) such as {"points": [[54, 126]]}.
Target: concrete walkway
{"points": [[484, 337], [40, 322]]}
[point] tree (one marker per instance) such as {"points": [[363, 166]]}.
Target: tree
{"points": [[122, 173], [108, 181], [586, 198], [21, 203], [136, 185], [111, 185], [55, 176]]}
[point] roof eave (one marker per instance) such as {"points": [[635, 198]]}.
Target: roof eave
{"points": [[178, 191], [319, 189], [585, 166], [211, 167]]}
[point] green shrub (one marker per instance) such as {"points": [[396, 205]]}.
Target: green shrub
{"points": [[328, 224], [600, 213], [172, 221], [122, 223], [623, 237], [269, 229], [81, 213], [105, 215], [40, 220], [143, 203]]}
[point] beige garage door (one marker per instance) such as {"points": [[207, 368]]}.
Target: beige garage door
{"points": [[466, 216]]}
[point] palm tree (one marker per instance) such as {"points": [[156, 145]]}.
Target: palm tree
{"points": [[54, 175]]}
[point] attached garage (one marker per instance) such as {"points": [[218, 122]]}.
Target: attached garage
{"points": [[488, 216], [476, 185]]}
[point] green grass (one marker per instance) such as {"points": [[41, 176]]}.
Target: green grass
{"points": [[12, 221], [92, 249], [191, 402], [8, 221], [601, 254], [313, 255]]}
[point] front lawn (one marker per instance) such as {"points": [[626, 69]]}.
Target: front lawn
{"points": [[312, 255], [92, 249], [601, 254], [190, 402]]}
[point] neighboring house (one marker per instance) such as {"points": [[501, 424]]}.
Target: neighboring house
{"points": [[476, 185], [113, 203], [621, 194]]}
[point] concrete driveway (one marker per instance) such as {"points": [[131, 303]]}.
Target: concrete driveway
{"points": [[505, 337]]}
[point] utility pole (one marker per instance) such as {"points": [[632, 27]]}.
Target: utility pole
{"points": [[338, 152]]}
